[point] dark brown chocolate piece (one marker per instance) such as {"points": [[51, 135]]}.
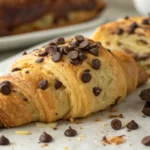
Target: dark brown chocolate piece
{"points": [[58, 84], [94, 51], [119, 31], [43, 84], [82, 56], [126, 17], [51, 49], [24, 53], [73, 44], [5, 89], [132, 27], [56, 57], [60, 40], [45, 138], [15, 69], [6, 82], [74, 61], [73, 54], [146, 109], [84, 44], [132, 125], [145, 21], [145, 95], [97, 91], [86, 77], [4, 140], [146, 141], [95, 63], [43, 53], [39, 60], [79, 38], [70, 132], [116, 124]]}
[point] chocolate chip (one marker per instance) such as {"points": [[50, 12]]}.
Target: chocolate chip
{"points": [[66, 49], [93, 45], [75, 61], [119, 31], [6, 82], [97, 91], [4, 140], [58, 84], [95, 63], [145, 21], [94, 51], [82, 56], [73, 54], [24, 53], [5, 89], [146, 140], [73, 44], [43, 84], [146, 109], [132, 27], [84, 44], [43, 53], [56, 57], [126, 17], [116, 124], [52, 43], [132, 125], [27, 71], [45, 138], [39, 60], [60, 40], [145, 95], [86, 77], [70, 132], [79, 38], [51, 49], [87, 70], [15, 69]]}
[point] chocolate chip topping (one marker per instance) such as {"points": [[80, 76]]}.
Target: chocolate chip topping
{"points": [[146, 109], [95, 63], [119, 31], [79, 38], [126, 17], [6, 82], [145, 95], [56, 57], [70, 132], [60, 40], [73, 54], [116, 124], [45, 138], [58, 84], [43, 53], [132, 27], [39, 60], [146, 140], [73, 44], [82, 56], [66, 49], [132, 125], [74, 61], [24, 53], [43, 84], [15, 69], [4, 140], [84, 44], [51, 49], [94, 51], [5, 89], [97, 91], [86, 77], [145, 21]]}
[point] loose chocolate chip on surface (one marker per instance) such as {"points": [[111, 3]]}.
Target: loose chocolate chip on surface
{"points": [[146, 140], [74, 61], [70, 132], [60, 40], [56, 57], [94, 51], [84, 44], [145, 95], [119, 31], [39, 60], [146, 109], [132, 27], [15, 69], [86, 77], [145, 21], [73, 54], [5, 89], [79, 38], [4, 140], [45, 138], [82, 56], [43, 84], [95, 63], [116, 124], [97, 91], [24, 53], [58, 84], [43, 53], [6, 82], [132, 125]]}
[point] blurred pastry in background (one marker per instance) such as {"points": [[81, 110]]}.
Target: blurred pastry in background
{"points": [[20, 16], [131, 35]]}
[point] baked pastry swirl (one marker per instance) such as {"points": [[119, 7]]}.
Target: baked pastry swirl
{"points": [[66, 79], [131, 35], [19, 16]]}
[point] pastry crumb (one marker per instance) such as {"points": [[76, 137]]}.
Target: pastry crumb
{"points": [[65, 148], [116, 116], [97, 119], [44, 145], [22, 132], [77, 121], [80, 137]]}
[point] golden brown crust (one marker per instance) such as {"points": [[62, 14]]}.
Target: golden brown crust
{"points": [[131, 35]]}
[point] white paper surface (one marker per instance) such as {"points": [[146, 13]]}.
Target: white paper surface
{"points": [[92, 131]]}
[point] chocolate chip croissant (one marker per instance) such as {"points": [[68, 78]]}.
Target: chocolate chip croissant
{"points": [[66, 79], [131, 34]]}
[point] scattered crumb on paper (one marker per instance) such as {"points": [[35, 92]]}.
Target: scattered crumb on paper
{"points": [[116, 116], [46, 125], [65, 148], [22, 132], [80, 137], [77, 121], [44, 145], [97, 119]]}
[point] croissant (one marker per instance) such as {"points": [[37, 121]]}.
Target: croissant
{"points": [[131, 35], [66, 79]]}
